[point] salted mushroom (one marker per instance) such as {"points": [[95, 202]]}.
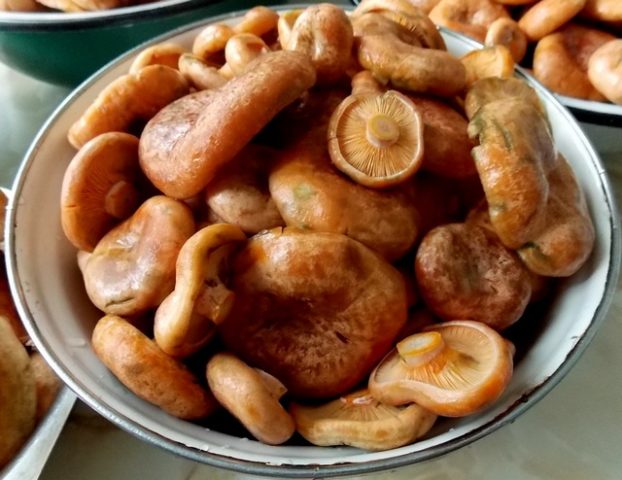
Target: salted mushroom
{"points": [[361, 421], [493, 61], [200, 73], [505, 31], [316, 310], [139, 364], [131, 98], [241, 49], [187, 317], [101, 187], [231, 117], [132, 268], [605, 70], [377, 140], [252, 396], [452, 369], [159, 54]]}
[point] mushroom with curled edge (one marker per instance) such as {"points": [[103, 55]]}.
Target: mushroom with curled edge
{"points": [[131, 98], [232, 116], [469, 17], [252, 396], [201, 74], [361, 421], [494, 61], [377, 139], [101, 187], [132, 268], [159, 54], [140, 365], [452, 369], [605, 70], [187, 318], [505, 31]]}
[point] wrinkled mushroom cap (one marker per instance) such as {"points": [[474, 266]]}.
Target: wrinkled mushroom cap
{"points": [[377, 140], [452, 369], [100, 188], [132, 269], [361, 421], [251, 396]]}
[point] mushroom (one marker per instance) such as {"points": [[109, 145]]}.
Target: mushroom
{"points": [[132, 268], [361, 421], [241, 49], [469, 17], [316, 310], [159, 54], [323, 32], [211, 41], [364, 83], [100, 188], [231, 117], [505, 31], [546, 16], [495, 61], [128, 99], [252, 396], [605, 70], [138, 363], [258, 21], [201, 74], [453, 369], [18, 399], [286, 23], [377, 140], [187, 317]]}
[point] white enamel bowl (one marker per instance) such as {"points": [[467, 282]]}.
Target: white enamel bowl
{"points": [[51, 298]]}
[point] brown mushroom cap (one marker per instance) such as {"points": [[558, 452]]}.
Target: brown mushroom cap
{"points": [[452, 369], [377, 140], [316, 310], [492, 61], [100, 188], [251, 397], [361, 421], [232, 116], [605, 72], [132, 268], [183, 322], [148, 372]]}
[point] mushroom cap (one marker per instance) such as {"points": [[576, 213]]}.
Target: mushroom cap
{"points": [[251, 397], [312, 195], [181, 326], [492, 61], [505, 31], [140, 365], [316, 310], [605, 72], [465, 272], [239, 194], [377, 140], [462, 367], [100, 188], [132, 269], [361, 421]]}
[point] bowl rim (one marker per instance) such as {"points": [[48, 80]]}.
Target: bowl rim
{"points": [[527, 400], [51, 21]]}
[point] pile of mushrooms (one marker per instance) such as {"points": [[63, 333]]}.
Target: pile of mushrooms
{"points": [[321, 223]]}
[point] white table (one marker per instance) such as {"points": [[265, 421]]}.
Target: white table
{"points": [[574, 433]]}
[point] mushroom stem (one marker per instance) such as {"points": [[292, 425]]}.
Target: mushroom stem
{"points": [[121, 200], [382, 131], [421, 348]]}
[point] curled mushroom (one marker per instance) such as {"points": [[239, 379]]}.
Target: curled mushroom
{"points": [[505, 31], [211, 41], [452, 369], [470, 17], [412, 68], [239, 194], [128, 99], [491, 89], [361, 421], [465, 272], [18, 400], [546, 16], [406, 14], [187, 317], [200, 74], [514, 155], [324, 33], [148, 372], [258, 21], [132, 268], [316, 310], [231, 117], [605, 70], [159, 54], [100, 188], [495, 61], [286, 23], [377, 140], [609, 11], [252, 396], [241, 49]]}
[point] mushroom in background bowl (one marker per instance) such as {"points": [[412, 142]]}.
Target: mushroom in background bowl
{"points": [[49, 287]]}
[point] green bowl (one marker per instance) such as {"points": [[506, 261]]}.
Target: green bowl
{"points": [[66, 48]]}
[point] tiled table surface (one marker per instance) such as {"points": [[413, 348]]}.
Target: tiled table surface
{"points": [[575, 433]]}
